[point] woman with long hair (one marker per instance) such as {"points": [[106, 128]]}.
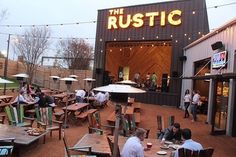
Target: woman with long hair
{"points": [[187, 100]]}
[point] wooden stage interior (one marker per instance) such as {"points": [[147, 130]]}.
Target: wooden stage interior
{"points": [[142, 56]]}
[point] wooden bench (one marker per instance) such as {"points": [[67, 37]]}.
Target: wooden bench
{"points": [[84, 115], [58, 115]]}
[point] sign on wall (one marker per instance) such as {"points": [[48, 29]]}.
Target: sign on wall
{"points": [[219, 60]]}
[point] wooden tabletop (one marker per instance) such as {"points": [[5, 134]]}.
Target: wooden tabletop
{"points": [[6, 98], [148, 153], [98, 143], [76, 106], [20, 135]]}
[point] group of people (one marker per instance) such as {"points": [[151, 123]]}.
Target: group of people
{"points": [[28, 96], [150, 81], [193, 102], [134, 148], [100, 98]]}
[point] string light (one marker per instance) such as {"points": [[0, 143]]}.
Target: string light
{"points": [[93, 21]]}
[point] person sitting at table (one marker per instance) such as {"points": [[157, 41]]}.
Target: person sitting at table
{"points": [[80, 95], [100, 99], [171, 133], [188, 142], [133, 146], [20, 98]]}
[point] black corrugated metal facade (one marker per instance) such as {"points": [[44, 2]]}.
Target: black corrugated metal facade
{"points": [[194, 23]]}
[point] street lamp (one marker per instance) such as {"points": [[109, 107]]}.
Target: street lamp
{"points": [[6, 62], [68, 82], [73, 76], [55, 79], [119, 95]]}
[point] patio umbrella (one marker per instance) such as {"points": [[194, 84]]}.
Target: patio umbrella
{"points": [[4, 81], [117, 91]]}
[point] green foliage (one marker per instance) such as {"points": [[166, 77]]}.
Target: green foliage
{"points": [[15, 84]]}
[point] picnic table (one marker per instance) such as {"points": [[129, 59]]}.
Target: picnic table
{"points": [[22, 138], [6, 98], [100, 145]]}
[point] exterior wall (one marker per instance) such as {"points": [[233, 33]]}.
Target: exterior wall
{"points": [[202, 51], [41, 76], [180, 36]]}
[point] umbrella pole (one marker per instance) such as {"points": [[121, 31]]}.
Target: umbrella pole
{"points": [[116, 133]]}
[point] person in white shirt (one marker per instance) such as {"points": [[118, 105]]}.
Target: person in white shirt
{"points": [[100, 97], [187, 100], [195, 101], [80, 95], [20, 98], [188, 142], [133, 146]]}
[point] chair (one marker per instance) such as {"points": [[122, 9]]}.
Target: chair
{"points": [[44, 119], [6, 146], [171, 120], [160, 125], [77, 149], [207, 152], [95, 123], [111, 145], [16, 116], [2, 119], [129, 126]]}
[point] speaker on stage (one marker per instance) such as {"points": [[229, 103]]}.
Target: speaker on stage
{"points": [[217, 45], [164, 87], [98, 70]]}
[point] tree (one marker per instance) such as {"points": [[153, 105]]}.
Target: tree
{"points": [[77, 53], [3, 14], [31, 46]]}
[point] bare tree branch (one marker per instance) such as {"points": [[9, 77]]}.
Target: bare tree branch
{"points": [[78, 50], [31, 47]]}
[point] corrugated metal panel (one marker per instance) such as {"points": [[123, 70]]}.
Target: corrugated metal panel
{"points": [[191, 25]]}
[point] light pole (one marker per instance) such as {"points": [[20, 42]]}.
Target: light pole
{"points": [[6, 62], [68, 82], [55, 79]]}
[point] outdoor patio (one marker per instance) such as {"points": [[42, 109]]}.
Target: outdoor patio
{"points": [[223, 145]]}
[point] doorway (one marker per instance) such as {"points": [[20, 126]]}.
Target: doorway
{"points": [[221, 107]]}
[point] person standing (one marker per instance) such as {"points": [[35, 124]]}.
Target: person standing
{"points": [[188, 142], [187, 100], [133, 146], [153, 81], [195, 101]]}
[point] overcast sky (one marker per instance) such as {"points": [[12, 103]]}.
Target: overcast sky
{"points": [[72, 11]]}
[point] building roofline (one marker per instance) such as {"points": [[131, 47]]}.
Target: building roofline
{"points": [[216, 31]]}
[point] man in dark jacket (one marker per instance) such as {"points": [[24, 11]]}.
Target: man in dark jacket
{"points": [[171, 133]]}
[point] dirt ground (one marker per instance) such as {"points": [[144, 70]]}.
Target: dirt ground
{"points": [[224, 146]]}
